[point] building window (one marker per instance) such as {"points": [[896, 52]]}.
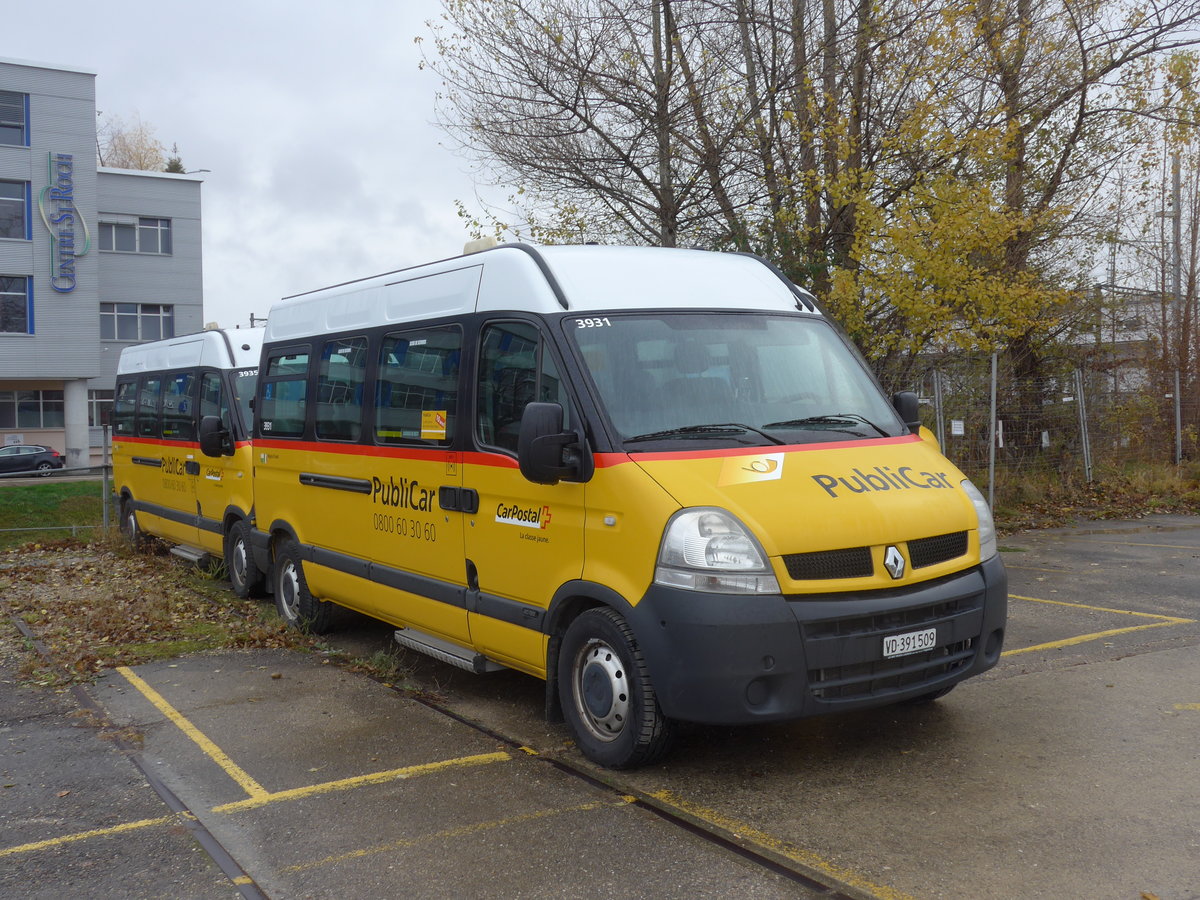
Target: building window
{"points": [[136, 321], [14, 119], [31, 409], [16, 304], [143, 235], [14, 204], [100, 404]]}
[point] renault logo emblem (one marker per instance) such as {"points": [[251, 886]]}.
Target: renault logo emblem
{"points": [[893, 561]]}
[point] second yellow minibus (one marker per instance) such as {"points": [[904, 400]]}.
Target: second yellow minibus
{"points": [[201, 505]]}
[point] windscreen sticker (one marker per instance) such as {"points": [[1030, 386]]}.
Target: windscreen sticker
{"points": [[747, 469], [433, 425]]}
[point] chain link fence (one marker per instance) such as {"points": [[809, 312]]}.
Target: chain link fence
{"points": [[1070, 423]]}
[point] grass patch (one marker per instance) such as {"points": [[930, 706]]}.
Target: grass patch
{"points": [[1050, 499], [54, 506]]}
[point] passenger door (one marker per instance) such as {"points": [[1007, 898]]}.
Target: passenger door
{"points": [[526, 539], [416, 531], [224, 480]]}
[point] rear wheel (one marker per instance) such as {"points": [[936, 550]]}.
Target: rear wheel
{"points": [[44, 469], [606, 694], [129, 525], [296, 605], [244, 574]]}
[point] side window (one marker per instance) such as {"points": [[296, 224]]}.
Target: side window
{"points": [[340, 389], [124, 408], [416, 392], [213, 401], [179, 407], [147, 411], [284, 393], [514, 369]]}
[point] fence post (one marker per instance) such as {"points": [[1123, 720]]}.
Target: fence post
{"points": [[992, 441], [937, 409], [104, 479], [1084, 438]]}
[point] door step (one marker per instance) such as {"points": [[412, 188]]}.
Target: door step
{"points": [[445, 651], [191, 554]]}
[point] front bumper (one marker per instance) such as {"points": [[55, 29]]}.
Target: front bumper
{"points": [[723, 659]]}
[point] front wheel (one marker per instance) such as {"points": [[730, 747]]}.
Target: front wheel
{"points": [[607, 698], [244, 574], [296, 605]]}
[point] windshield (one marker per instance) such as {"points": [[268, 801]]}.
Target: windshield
{"points": [[730, 378]]}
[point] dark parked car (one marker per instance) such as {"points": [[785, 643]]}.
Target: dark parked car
{"points": [[29, 458]]}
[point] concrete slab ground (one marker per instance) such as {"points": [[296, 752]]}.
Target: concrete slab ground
{"points": [[1071, 770], [322, 783]]}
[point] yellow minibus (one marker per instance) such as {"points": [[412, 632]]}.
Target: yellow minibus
{"points": [[202, 505], [661, 480]]}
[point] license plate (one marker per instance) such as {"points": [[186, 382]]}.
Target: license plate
{"points": [[912, 642]]}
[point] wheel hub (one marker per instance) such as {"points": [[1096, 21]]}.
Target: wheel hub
{"points": [[602, 690]]}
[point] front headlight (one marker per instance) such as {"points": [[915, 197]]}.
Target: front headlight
{"points": [[707, 549], [987, 527]]}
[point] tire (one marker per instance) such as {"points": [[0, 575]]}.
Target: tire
{"points": [[44, 468], [244, 574], [129, 525], [607, 698], [296, 605]]}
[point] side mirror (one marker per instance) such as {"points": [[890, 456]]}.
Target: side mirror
{"points": [[214, 438], [909, 408], [542, 445]]}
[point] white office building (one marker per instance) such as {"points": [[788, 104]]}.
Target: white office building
{"points": [[92, 259]]}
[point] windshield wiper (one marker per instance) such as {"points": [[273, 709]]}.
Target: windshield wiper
{"points": [[715, 428], [828, 419]]}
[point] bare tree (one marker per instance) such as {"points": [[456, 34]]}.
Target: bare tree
{"points": [[123, 145]]}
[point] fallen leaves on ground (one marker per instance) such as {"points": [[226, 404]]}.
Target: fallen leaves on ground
{"points": [[94, 606]]}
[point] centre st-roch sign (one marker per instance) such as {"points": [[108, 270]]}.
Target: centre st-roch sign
{"points": [[69, 236]]}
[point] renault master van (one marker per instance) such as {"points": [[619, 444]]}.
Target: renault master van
{"points": [[165, 487], [662, 480]]}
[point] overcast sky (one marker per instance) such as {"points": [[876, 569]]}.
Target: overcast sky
{"points": [[314, 119]]}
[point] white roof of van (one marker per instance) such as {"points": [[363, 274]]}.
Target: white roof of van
{"points": [[509, 277], [217, 348]]}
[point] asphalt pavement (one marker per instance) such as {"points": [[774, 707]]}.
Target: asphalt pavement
{"points": [[1071, 770]]}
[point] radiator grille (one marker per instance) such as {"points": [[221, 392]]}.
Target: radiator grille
{"points": [[853, 562], [933, 550]]}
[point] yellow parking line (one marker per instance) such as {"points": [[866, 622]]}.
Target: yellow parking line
{"points": [[1195, 707], [249, 785], [744, 833], [86, 835], [461, 831], [1161, 622], [359, 780]]}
